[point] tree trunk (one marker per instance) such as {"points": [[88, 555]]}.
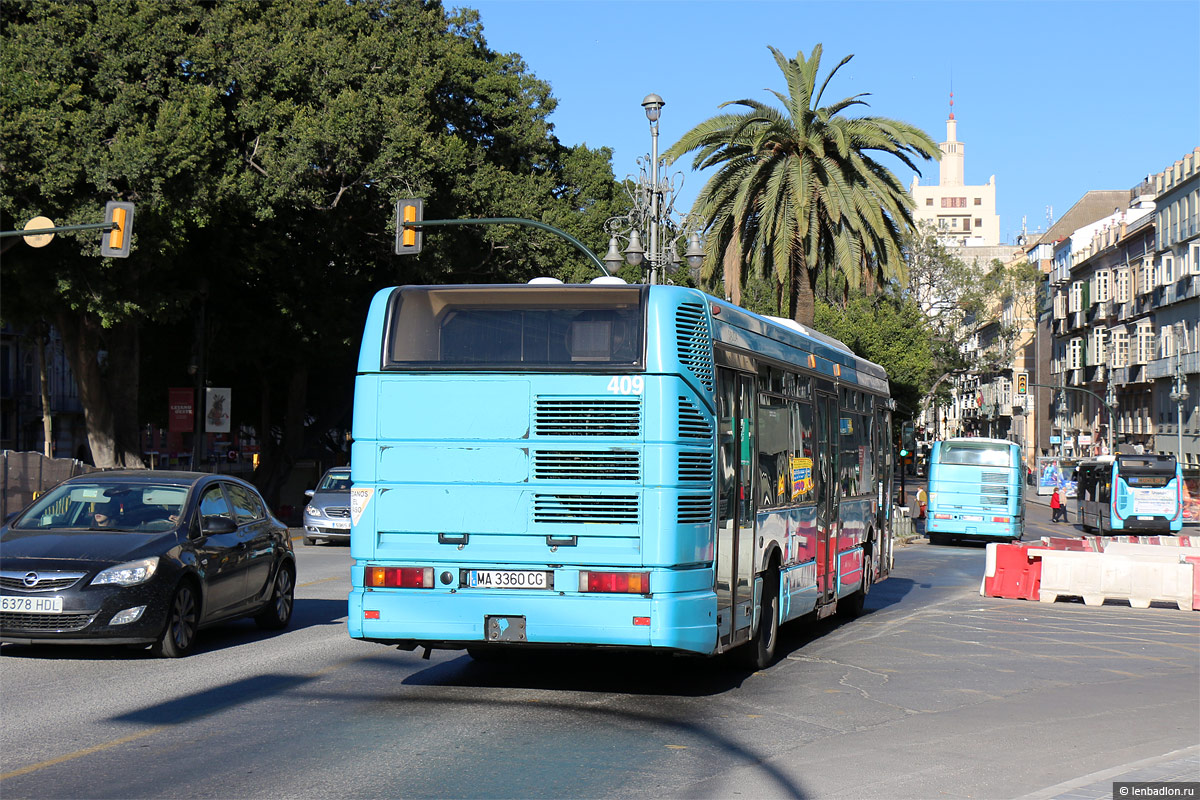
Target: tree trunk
{"points": [[42, 334], [108, 392], [804, 294], [731, 263]]}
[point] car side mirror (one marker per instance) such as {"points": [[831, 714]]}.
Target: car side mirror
{"points": [[308, 493], [215, 525]]}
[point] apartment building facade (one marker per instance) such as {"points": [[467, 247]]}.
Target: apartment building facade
{"points": [[1123, 325]]}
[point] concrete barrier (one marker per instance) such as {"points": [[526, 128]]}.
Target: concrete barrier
{"points": [[1177, 553], [1095, 577]]}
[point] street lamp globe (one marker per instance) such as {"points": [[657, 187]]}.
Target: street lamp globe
{"points": [[635, 253], [653, 104], [695, 250], [613, 259]]}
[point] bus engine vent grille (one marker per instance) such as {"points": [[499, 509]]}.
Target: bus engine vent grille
{"points": [[587, 465], [993, 489], [585, 509], [693, 424], [695, 466], [556, 416], [695, 509], [694, 342]]}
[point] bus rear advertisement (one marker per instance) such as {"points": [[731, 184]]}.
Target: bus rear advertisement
{"points": [[609, 465]]}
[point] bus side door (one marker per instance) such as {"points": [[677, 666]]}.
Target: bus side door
{"points": [[828, 444], [737, 449]]}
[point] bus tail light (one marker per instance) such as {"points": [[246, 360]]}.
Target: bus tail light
{"points": [[399, 577], [615, 582], [641, 620], [1001, 519], [942, 516]]}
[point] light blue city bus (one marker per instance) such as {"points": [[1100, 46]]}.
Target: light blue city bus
{"points": [[976, 491], [609, 465], [1130, 493]]}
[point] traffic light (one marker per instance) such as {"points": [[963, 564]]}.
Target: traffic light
{"points": [[116, 242], [1022, 384], [408, 238]]}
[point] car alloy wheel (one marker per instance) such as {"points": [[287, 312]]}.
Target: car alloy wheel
{"points": [[180, 634], [278, 612]]}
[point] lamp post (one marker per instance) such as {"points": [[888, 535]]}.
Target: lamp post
{"points": [[1110, 400], [1179, 396], [651, 216]]}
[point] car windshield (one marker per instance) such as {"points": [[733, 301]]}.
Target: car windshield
{"points": [[335, 482], [106, 505]]}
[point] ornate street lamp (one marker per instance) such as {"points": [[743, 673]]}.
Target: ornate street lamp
{"points": [[1179, 396], [653, 213], [1110, 400]]}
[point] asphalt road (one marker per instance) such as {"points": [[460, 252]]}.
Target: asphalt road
{"points": [[936, 692]]}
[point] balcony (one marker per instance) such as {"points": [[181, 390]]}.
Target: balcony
{"points": [[1165, 367]]}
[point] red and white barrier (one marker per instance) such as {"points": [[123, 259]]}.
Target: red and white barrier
{"points": [[1139, 572], [1011, 572]]}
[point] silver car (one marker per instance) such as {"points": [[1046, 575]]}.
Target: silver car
{"points": [[327, 515]]}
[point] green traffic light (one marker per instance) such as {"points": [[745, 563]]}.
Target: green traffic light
{"points": [[903, 453]]}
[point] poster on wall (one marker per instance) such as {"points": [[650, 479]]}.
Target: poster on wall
{"points": [[179, 410], [216, 410]]}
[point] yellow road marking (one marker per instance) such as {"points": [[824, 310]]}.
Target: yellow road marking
{"points": [[323, 580], [133, 737]]}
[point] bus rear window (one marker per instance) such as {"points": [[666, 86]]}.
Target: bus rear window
{"points": [[515, 328], [976, 455]]}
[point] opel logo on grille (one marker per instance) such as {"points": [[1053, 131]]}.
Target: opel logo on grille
{"points": [[30, 579]]}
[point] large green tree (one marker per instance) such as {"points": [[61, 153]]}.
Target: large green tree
{"points": [[264, 146], [801, 188]]}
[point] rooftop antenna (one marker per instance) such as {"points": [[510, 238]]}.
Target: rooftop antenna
{"points": [[1049, 216]]}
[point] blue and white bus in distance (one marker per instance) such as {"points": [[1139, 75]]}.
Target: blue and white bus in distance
{"points": [[1130, 494], [608, 465], [976, 491]]}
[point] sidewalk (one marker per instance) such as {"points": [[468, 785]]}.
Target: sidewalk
{"points": [[1178, 767]]}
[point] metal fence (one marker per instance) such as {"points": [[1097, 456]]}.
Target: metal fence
{"points": [[23, 476]]}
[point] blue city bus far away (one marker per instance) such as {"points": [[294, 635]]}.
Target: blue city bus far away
{"points": [[1130, 493], [976, 491], [608, 465]]}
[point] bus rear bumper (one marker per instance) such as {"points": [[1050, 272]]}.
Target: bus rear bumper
{"points": [[959, 526], [684, 621]]}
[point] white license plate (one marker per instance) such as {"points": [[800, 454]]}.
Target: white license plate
{"points": [[340, 524], [32, 605], [508, 579], [1146, 518], [972, 518]]}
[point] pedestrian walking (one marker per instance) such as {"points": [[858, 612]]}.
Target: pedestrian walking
{"points": [[1056, 506], [922, 499]]}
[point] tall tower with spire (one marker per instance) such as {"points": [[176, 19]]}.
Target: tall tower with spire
{"points": [[951, 166], [963, 215]]}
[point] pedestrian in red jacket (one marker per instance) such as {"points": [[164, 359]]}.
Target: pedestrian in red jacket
{"points": [[1056, 507]]}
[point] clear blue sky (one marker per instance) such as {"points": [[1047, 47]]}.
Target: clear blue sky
{"points": [[1053, 98]]}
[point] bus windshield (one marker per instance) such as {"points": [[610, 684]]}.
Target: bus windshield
{"points": [[976, 455], [515, 328]]}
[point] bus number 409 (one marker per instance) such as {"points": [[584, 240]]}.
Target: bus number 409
{"points": [[624, 384]]}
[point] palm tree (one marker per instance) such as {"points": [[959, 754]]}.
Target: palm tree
{"points": [[800, 190]]}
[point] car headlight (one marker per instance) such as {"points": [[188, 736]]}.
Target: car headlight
{"points": [[130, 574], [312, 511]]}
